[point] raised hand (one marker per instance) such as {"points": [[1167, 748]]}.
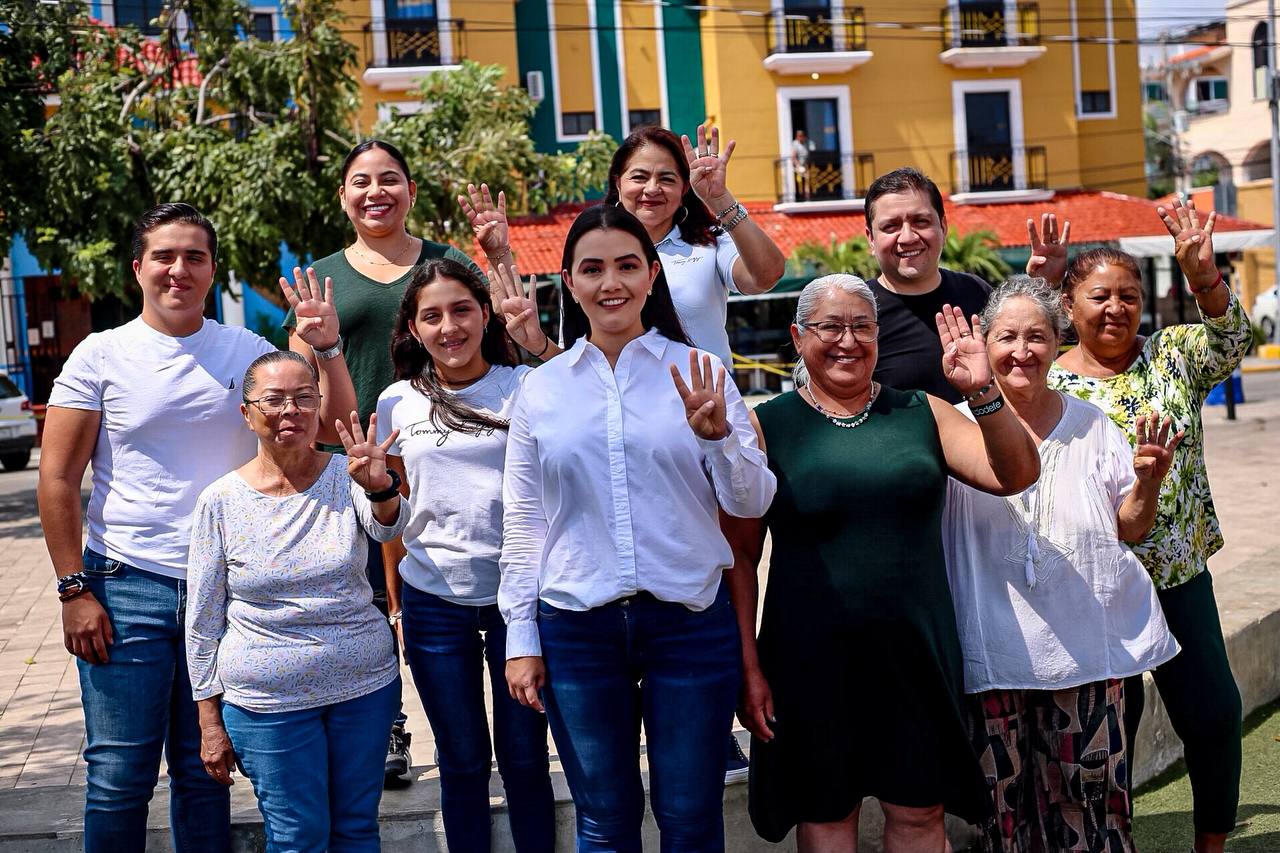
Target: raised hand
{"points": [[1049, 258], [488, 220], [708, 167], [518, 309], [964, 351], [1154, 454], [1192, 244], [366, 459], [317, 319], [703, 404]]}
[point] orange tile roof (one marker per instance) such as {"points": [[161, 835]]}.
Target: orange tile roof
{"points": [[1096, 217], [1194, 53]]}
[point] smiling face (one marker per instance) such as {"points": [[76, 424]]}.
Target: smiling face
{"points": [[376, 195], [611, 279], [175, 271], [1021, 345], [293, 428], [450, 324], [1106, 309], [842, 369], [906, 237], [651, 188]]}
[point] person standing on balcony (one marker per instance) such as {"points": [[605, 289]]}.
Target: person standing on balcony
{"points": [[907, 228], [371, 275], [801, 147], [155, 406]]}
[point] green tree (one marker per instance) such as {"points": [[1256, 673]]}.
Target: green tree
{"points": [[847, 256], [1161, 158], [974, 253], [472, 129]]}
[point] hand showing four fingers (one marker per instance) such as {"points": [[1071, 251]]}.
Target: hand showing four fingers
{"points": [[366, 458], [964, 351], [488, 220], [1192, 244], [519, 308], [703, 398], [1048, 258], [317, 319], [1153, 456], [707, 165]]}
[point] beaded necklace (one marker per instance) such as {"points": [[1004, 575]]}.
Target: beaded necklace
{"points": [[847, 421]]}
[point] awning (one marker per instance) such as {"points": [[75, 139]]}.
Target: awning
{"points": [[1156, 246]]}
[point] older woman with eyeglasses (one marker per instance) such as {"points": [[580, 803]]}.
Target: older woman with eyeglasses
{"points": [[854, 686], [287, 653]]}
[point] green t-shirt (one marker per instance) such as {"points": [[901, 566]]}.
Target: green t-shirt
{"points": [[367, 316]]}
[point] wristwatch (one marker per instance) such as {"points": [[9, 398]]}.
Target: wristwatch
{"points": [[332, 352], [72, 585], [389, 492]]}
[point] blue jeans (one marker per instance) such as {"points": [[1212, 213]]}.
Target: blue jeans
{"points": [[637, 659], [446, 645], [317, 772], [135, 706]]}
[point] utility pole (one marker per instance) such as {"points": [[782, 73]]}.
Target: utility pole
{"points": [[1273, 95]]}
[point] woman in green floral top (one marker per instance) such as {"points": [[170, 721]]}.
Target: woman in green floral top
{"points": [[1172, 371]]}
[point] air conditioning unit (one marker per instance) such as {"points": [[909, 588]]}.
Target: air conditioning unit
{"points": [[533, 85]]}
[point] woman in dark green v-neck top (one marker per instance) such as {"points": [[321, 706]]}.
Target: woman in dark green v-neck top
{"points": [[853, 688]]}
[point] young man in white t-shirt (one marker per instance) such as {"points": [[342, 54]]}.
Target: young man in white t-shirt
{"points": [[155, 404]]}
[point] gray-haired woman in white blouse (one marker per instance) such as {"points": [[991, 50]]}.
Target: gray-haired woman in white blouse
{"points": [[286, 651]]}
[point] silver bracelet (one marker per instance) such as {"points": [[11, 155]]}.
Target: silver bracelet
{"points": [[394, 618], [332, 352], [735, 220]]}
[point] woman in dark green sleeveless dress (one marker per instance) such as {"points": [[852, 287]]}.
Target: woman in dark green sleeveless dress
{"points": [[854, 686]]}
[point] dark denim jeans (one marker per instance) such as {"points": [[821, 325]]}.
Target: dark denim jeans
{"points": [[637, 659], [446, 645], [317, 772], [135, 706]]}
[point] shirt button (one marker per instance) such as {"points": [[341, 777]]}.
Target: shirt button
{"points": [[626, 602]]}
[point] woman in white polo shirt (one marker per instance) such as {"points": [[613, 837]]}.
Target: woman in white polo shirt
{"points": [[620, 455]]}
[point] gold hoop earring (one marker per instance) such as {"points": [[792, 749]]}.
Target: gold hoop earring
{"points": [[681, 220]]}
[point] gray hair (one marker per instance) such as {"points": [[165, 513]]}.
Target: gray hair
{"points": [[816, 291], [251, 375], [1045, 297]]}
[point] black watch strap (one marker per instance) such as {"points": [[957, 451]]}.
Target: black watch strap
{"points": [[389, 492]]}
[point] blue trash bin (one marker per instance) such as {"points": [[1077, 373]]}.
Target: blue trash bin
{"points": [[1218, 396]]}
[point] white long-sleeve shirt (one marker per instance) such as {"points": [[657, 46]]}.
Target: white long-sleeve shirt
{"points": [[607, 491]]}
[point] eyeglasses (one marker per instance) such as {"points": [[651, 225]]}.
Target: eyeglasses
{"points": [[864, 331], [275, 404]]}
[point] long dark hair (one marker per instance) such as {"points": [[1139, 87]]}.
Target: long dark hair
{"points": [[413, 361], [658, 312], [696, 228]]}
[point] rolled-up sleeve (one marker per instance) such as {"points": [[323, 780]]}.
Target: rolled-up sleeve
{"points": [[206, 599], [739, 470], [524, 533]]}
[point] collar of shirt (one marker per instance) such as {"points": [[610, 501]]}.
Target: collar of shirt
{"points": [[673, 235], [653, 340]]}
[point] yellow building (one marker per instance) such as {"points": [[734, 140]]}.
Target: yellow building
{"points": [[997, 100]]}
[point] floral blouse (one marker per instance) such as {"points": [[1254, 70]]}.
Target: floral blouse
{"points": [[1174, 373]]}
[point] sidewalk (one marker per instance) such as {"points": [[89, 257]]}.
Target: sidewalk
{"points": [[41, 728]]}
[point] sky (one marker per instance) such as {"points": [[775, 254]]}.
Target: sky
{"points": [[1157, 15]]}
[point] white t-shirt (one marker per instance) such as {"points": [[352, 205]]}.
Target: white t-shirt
{"points": [[700, 278], [171, 425], [454, 535], [1046, 595]]}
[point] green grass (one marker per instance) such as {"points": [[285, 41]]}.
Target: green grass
{"points": [[1163, 806]]}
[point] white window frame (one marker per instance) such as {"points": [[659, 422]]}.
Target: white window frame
{"points": [[844, 115], [561, 136], [1212, 105], [778, 8], [960, 124], [1081, 115], [1010, 17], [274, 12], [378, 23], [389, 109]]}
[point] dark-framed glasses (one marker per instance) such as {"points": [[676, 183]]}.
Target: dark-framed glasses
{"points": [[274, 404], [830, 332]]}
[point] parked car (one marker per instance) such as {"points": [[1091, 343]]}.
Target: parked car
{"points": [[17, 426], [1266, 313]]}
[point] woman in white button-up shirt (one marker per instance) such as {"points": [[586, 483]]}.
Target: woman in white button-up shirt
{"points": [[621, 453]]}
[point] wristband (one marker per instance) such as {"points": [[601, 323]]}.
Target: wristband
{"points": [[332, 352], [389, 492], [735, 220], [987, 408], [969, 398], [72, 586], [394, 618], [730, 209], [501, 254], [545, 346], [1216, 283]]}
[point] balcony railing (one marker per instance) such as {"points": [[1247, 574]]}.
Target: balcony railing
{"points": [[816, 31], [828, 176], [413, 42], [987, 25], [999, 169]]}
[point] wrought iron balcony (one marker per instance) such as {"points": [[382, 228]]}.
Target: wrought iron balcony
{"points": [[999, 169], [414, 42], [828, 176], [987, 24], [816, 31]]}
